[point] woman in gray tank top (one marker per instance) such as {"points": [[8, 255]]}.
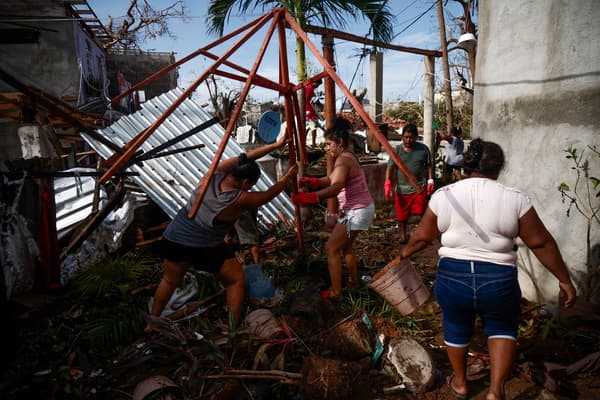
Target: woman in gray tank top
{"points": [[199, 242]]}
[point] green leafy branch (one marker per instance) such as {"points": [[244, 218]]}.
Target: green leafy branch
{"points": [[574, 197], [584, 196]]}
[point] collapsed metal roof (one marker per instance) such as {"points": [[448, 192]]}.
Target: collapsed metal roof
{"points": [[170, 180], [74, 198]]}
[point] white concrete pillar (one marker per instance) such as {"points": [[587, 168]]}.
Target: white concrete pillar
{"points": [[376, 86], [428, 94]]}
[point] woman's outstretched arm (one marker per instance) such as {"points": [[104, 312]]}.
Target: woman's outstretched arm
{"points": [[534, 234], [423, 234]]}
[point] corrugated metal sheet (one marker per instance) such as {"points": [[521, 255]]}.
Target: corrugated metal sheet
{"points": [[74, 197], [169, 180]]}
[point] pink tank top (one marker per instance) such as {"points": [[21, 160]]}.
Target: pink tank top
{"points": [[356, 192]]}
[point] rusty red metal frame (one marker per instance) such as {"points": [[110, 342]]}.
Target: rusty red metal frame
{"points": [[233, 119], [140, 139], [357, 106], [294, 121], [292, 124], [201, 51]]}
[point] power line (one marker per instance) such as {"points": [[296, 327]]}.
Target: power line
{"points": [[406, 8], [415, 21]]}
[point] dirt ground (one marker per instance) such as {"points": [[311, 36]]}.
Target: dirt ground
{"points": [[324, 348]]}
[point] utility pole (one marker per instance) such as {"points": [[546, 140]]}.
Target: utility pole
{"points": [[445, 67], [428, 97]]}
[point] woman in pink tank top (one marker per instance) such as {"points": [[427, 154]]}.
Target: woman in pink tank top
{"points": [[346, 181]]}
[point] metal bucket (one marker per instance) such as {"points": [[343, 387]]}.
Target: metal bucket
{"points": [[401, 286]]}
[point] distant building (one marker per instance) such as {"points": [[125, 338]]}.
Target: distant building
{"points": [[460, 97], [58, 47]]}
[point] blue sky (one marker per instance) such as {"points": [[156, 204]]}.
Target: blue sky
{"points": [[403, 72]]}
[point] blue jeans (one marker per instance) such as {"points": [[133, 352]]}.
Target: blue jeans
{"points": [[465, 289]]}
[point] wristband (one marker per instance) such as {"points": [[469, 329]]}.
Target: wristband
{"points": [[429, 180]]}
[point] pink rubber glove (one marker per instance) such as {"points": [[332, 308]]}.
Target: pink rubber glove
{"points": [[430, 187], [387, 190], [301, 199], [311, 183]]}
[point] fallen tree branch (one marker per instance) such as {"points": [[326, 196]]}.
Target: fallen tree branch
{"points": [[135, 291], [193, 307], [288, 377]]}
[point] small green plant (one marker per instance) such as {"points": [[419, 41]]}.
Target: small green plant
{"points": [[112, 276], [365, 299], [584, 196], [111, 315]]}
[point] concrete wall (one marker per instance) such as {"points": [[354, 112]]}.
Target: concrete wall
{"points": [[50, 65], [139, 66], [91, 72], [537, 91]]}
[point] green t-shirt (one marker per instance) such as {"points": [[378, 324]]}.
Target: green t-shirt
{"points": [[416, 161]]}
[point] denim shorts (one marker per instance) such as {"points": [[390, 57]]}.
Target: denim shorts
{"points": [[465, 289], [358, 219]]}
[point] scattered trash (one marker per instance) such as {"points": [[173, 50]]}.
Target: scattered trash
{"points": [[257, 283], [262, 323], [152, 385], [19, 253], [269, 302], [42, 372], [410, 363], [96, 372], [394, 389], [260, 289], [378, 351], [365, 319]]}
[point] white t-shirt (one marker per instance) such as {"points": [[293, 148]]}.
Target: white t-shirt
{"points": [[479, 220]]}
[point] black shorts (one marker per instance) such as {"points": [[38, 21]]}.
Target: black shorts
{"points": [[209, 259]]}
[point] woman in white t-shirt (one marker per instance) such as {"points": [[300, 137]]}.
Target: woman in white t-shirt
{"points": [[479, 220]]}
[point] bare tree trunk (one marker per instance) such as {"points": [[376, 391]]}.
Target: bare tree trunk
{"points": [[469, 27], [445, 67]]}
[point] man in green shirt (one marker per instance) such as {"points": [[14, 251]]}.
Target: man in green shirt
{"points": [[417, 158]]}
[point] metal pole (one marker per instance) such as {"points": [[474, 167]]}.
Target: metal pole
{"points": [[357, 106], [291, 108], [140, 139], [235, 115], [327, 42], [201, 51]]}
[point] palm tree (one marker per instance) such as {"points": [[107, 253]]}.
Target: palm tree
{"points": [[330, 13]]}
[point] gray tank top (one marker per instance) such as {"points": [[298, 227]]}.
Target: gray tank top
{"points": [[203, 230]]}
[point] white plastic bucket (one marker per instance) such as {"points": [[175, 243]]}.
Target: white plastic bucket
{"points": [[401, 286]]}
